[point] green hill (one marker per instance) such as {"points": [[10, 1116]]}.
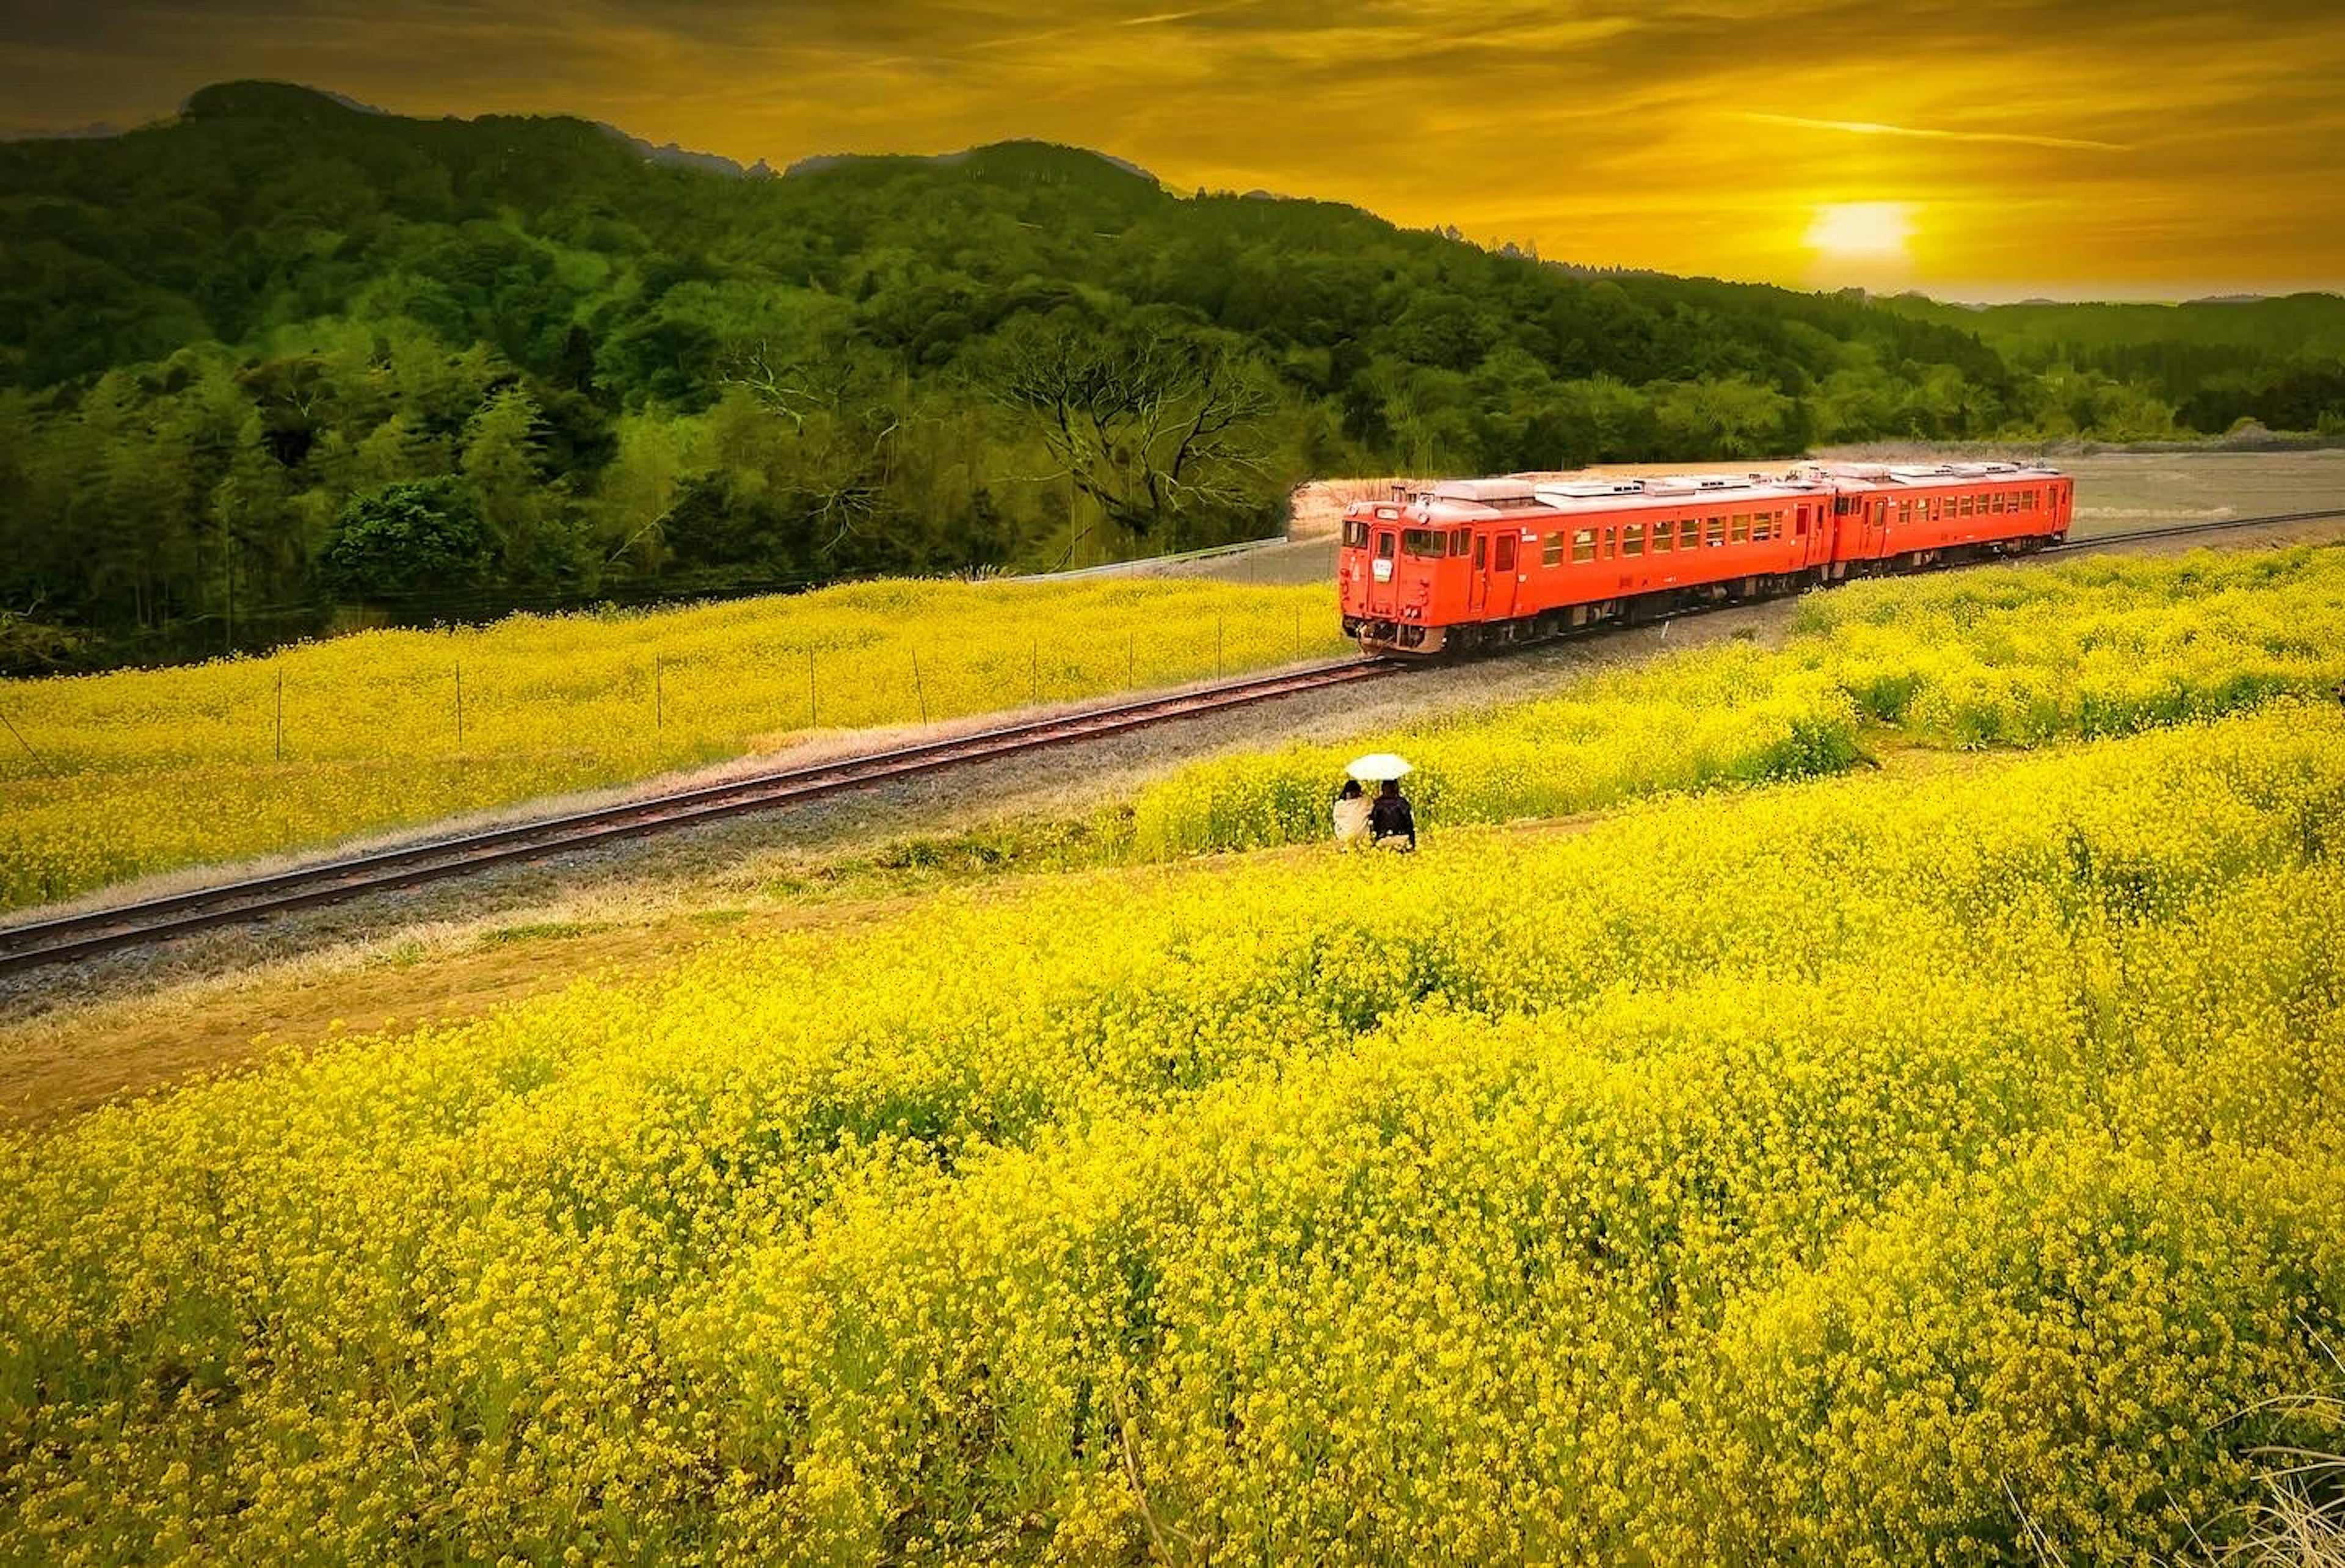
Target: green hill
{"points": [[2277, 360], [282, 354]]}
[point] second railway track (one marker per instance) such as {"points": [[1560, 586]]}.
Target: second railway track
{"points": [[98, 931]]}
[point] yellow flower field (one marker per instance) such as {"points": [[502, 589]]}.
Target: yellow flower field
{"points": [[1832, 1173], [144, 771], [1967, 660]]}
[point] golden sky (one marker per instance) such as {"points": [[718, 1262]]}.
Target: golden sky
{"points": [[1973, 148]]}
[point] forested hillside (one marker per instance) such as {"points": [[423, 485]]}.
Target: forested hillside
{"points": [[281, 355], [2214, 362]]}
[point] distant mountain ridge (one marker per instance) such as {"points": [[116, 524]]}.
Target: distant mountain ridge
{"points": [[823, 162]]}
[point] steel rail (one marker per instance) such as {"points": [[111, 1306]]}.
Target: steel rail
{"points": [[2134, 536], [107, 929], [94, 931]]}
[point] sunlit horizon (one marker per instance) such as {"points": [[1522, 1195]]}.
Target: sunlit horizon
{"points": [[2071, 152]]}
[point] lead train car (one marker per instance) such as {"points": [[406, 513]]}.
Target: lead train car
{"points": [[1469, 564]]}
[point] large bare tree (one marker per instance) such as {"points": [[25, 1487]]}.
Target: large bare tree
{"points": [[1154, 429]]}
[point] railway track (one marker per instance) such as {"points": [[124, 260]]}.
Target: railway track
{"points": [[2092, 541], [37, 944], [99, 931]]}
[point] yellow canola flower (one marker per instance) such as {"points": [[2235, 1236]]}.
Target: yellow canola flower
{"points": [[142, 771], [1820, 1173], [1972, 660]]}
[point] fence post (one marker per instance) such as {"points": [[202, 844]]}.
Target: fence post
{"points": [[810, 707], [280, 713], [459, 707], [1132, 661], [659, 696], [1219, 624], [919, 690], [1033, 671]]}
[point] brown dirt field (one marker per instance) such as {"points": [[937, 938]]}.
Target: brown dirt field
{"points": [[81, 1058]]}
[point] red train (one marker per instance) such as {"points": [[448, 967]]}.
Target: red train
{"points": [[1469, 563]]}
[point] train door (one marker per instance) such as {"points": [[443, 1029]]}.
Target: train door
{"points": [[1872, 526], [1478, 581], [1500, 602], [1811, 528], [1382, 564]]}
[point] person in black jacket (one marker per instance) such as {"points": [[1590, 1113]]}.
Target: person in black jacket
{"points": [[1391, 825]]}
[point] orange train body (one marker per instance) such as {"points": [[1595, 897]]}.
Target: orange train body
{"points": [[1469, 563]]}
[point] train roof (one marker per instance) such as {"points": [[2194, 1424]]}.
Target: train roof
{"points": [[1925, 476], [1463, 500]]}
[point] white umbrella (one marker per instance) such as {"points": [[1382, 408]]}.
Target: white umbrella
{"points": [[1378, 765]]}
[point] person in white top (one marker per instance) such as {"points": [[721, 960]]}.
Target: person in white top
{"points": [[1351, 816]]}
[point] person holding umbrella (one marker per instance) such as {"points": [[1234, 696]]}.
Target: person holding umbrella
{"points": [[1390, 824]]}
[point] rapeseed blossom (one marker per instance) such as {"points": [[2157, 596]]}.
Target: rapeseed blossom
{"points": [[143, 771], [1822, 1173], [1968, 660]]}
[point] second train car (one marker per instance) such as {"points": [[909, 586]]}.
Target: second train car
{"points": [[1469, 564]]}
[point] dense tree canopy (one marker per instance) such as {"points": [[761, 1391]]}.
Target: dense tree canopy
{"points": [[222, 334]]}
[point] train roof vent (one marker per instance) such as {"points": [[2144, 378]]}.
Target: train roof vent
{"points": [[1971, 471], [1581, 490], [1483, 491], [1674, 484], [1934, 471]]}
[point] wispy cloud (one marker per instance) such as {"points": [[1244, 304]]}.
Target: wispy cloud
{"points": [[2113, 139], [1875, 128]]}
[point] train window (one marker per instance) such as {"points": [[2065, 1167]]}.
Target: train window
{"points": [[1689, 533], [1715, 531], [1583, 544], [1503, 558], [1741, 530], [1762, 526], [1665, 536], [1965, 509], [1552, 553], [1458, 538], [1800, 527], [1423, 542], [1611, 541], [1384, 547], [1904, 512], [1356, 534], [1633, 540], [1481, 547]]}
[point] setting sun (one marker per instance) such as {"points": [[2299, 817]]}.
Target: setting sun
{"points": [[1861, 230]]}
